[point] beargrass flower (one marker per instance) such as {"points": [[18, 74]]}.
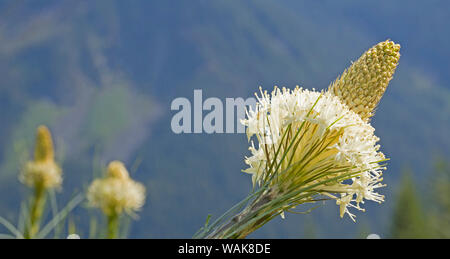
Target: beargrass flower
{"points": [[308, 146], [42, 173], [43, 170], [311, 141], [116, 193], [327, 144]]}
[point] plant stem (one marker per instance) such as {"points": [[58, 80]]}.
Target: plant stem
{"points": [[37, 208], [242, 219], [113, 225]]}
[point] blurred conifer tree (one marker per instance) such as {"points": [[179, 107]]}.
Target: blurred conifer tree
{"points": [[409, 218], [440, 200]]}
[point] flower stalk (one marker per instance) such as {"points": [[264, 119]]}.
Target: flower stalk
{"points": [[246, 221], [40, 174], [37, 208], [113, 225]]}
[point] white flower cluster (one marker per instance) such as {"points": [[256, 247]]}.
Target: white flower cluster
{"points": [[331, 137], [46, 173], [116, 192]]}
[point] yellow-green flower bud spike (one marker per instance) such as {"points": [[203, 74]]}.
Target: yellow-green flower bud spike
{"points": [[117, 169], [362, 85], [43, 150]]}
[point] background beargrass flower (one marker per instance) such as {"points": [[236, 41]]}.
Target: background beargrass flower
{"points": [[41, 174], [42, 171], [114, 194]]}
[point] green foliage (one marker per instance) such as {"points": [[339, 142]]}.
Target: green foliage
{"points": [[409, 219], [440, 200], [414, 219], [52, 225]]}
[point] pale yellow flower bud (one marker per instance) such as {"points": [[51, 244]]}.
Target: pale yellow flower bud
{"points": [[362, 85], [117, 170], [44, 145]]}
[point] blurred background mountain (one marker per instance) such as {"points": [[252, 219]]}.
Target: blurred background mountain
{"points": [[102, 74]]}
